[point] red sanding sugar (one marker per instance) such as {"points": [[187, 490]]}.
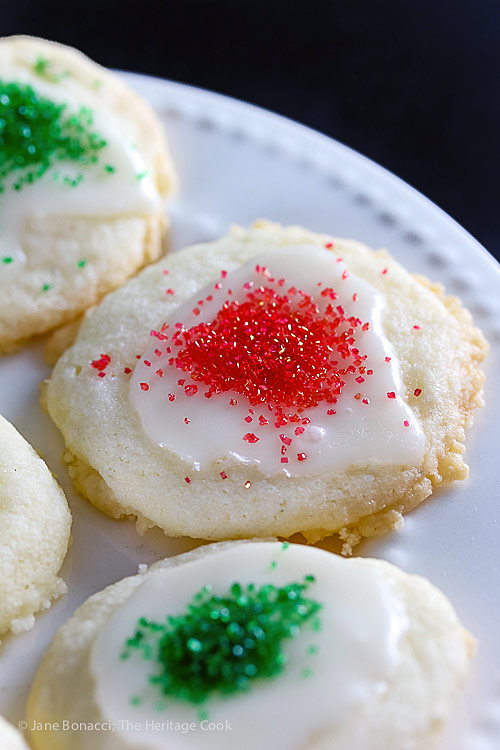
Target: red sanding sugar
{"points": [[273, 348]]}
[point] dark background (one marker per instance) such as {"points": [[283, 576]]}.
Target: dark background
{"points": [[413, 84]]}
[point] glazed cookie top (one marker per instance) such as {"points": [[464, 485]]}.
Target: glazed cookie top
{"points": [[238, 634], [282, 363]]}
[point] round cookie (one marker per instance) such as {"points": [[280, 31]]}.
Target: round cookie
{"points": [[355, 654], [125, 472], [85, 170], [35, 524], [10, 737]]}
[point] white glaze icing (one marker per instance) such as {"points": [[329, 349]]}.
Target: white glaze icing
{"points": [[357, 652], [99, 194], [357, 434]]}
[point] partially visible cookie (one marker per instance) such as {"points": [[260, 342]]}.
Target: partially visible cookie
{"points": [[254, 645], [84, 172], [10, 737], [35, 524], [160, 426]]}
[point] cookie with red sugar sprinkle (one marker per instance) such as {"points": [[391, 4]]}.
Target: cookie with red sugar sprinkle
{"points": [[442, 362]]}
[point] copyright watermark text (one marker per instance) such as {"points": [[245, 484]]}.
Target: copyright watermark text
{"points": [[125, 725]]}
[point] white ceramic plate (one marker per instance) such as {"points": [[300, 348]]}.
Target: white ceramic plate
{"points": [[237, 163]]}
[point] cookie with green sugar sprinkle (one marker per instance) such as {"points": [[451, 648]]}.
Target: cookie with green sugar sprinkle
{"points": [[381, 671], [69, 188], [220, 644]]}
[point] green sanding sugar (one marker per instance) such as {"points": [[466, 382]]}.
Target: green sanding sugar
{"points": [[222, 643], [36, 133], [43, 67]]}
